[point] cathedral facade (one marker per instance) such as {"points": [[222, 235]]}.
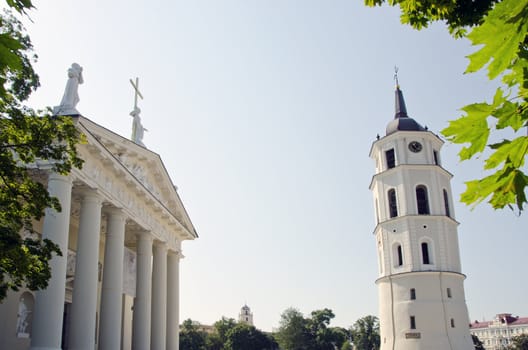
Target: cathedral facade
{"points": [[116, 285]]}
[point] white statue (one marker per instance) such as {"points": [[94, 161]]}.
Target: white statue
{"points": [[71, 93], [23, 318], [138, 131]]}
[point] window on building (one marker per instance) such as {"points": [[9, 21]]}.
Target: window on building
{"points": [[422, 200], [393, 205], [400, 255], [446, 204], [391, 160], [452, 323], [435, 157], [413, 322], [425, 253], [413, 294], [449, 293]]}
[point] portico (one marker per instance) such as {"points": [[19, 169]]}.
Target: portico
{"points": [[121, 200]]}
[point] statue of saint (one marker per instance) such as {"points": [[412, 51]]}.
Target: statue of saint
{"points": [[71, 93], [138, 131], [23, 318]]}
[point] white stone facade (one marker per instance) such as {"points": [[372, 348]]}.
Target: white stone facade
{"points": [[420, 283], [123, 223]]}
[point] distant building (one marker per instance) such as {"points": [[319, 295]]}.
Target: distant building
{"points": [[497, 334], [245, 316]]}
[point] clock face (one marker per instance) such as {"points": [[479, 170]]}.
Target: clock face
{"points": [[415, 146]]}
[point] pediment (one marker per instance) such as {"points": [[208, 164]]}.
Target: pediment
{"points": [[145, 166]]}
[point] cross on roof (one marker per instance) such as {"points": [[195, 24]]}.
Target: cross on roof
{"points": [[136, 91]]}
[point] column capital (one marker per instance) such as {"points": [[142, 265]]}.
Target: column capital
{"points": [[161, 245], [176, 254], [58, 177], [144, 236], [114, 211]]}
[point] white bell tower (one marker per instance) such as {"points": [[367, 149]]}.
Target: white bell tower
{"points": [[245, 315], [420, 283]]}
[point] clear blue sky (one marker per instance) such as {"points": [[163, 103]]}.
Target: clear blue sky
{"points": [[264, 113]]}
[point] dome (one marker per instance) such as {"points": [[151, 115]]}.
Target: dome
{"points": [[403, 124]]}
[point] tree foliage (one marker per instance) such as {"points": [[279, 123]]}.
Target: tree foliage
{"points": [[191, 337], [519, 342], [365, 333], [500, 32], [313, 333], [477, 342], [26, 137], [244, 337], [456, 13]]}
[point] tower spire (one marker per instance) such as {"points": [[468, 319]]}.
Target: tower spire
{"points": [[400, 111]]}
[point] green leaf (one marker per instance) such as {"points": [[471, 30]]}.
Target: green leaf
{"points": [[472, 128], [508, 151], [501, 34]]}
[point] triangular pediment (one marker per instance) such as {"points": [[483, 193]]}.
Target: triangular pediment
{"points": [[145, 166]]}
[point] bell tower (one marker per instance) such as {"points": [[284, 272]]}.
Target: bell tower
{"points": [[420, 284]]}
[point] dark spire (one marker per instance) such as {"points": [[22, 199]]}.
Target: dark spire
{"points": [[400, 111], [401, 121]]}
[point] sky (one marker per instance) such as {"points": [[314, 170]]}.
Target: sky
{"points": [[264, 113]]}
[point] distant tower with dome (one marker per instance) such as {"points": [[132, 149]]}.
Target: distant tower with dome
{"points": [[245, 316], [420, 283]]}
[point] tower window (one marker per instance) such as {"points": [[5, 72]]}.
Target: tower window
{"points": [[425, 253], [413, 294], [449, 293], [452, 323], [412, 320], [393, 206], [435, 157], [446, 203], [400, 255], [391, 160], [422, 200]]}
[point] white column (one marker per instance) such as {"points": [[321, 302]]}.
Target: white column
{"points": [[142, 306], [49, 303], [173, 301], [112, 289], [84, 297], [159, 297]]}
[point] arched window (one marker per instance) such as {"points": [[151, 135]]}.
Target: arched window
{"points": [[400, 255], [452, 323], [446, 204], [422, 200], [413, 294], [393, 205], [425, 254]]}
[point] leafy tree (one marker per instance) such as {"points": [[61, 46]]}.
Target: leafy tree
{"points": [[26, 136], [297, 332], [223, 326], [365, 333], [520, 342], [191, 337], [478, 344], [246, 337], [293, 333], [213, 342], [346, 346], [324, 337], [500, 30]]}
